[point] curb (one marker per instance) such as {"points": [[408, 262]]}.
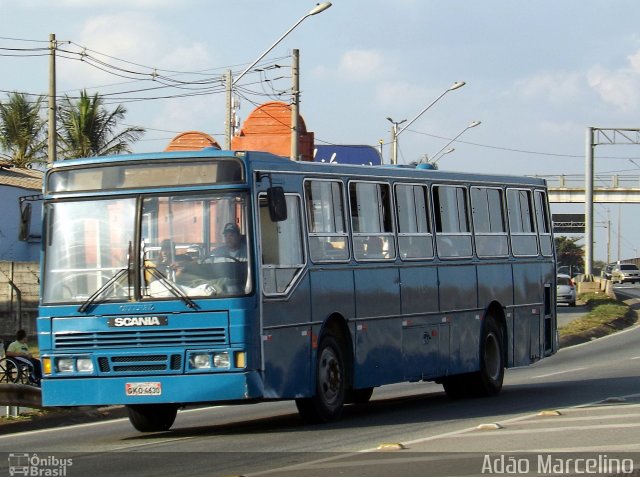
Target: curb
{"points": [[60, 417]]}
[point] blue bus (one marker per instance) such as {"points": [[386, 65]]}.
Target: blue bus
{"points": [[211, 276]]}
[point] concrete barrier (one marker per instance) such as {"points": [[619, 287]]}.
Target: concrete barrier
{"points": [[20, 395]]}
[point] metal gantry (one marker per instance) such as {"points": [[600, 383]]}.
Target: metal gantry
{"points": [[596, 137]]}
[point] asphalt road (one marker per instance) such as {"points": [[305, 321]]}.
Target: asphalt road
{"points": [[594, 386]]}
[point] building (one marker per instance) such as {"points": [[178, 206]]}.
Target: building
{"points": [[21, 213]]}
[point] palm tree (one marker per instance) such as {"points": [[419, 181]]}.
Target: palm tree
{"points": [[22, 132], [87, 128]]}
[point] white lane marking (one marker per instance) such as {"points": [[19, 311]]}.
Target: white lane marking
{"points": [[559, 372], [92, 424]]}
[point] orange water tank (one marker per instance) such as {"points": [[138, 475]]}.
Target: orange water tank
{"points": [[191, 141], [268, 128]]}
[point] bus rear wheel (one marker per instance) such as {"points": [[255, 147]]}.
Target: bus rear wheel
{"points": [[327, 403], [152, 417], [488, 380]]}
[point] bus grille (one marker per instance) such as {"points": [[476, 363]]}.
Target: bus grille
{"points": [[140, 363], [77, 340]]}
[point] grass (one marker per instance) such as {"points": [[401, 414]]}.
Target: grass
{"points": [[605, 316]]}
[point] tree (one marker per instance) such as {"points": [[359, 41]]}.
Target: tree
{"points": [[87, 128], [569, 254], [22, 132]]}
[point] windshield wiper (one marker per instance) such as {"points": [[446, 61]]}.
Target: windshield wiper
{"points": [[94, 297], [169, 285]]}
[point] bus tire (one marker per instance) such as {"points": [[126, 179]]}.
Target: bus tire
{"points": [[488, 380], [152, 417], [327, 403]]}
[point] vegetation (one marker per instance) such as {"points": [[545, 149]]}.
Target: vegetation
{"points": [[606, 315], [23, 137], [569, 254], [87, 128]]}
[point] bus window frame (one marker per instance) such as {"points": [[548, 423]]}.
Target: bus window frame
{"points": [[429, 206], [505, 222], [392, 234], [297, 277], [547, 219], [469, 234], [346, 215], [532, 211]]}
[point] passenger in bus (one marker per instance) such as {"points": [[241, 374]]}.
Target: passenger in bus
{"points": [[171, 264], [375, 247], [234, 248]]}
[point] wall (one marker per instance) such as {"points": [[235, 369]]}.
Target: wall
{"points": [[11, 248], [25, 277]]}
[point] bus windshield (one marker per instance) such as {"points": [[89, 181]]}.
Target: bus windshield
{"points": [[146, 247]]}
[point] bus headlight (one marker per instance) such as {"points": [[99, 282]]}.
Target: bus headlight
{"points": [[64, 365], [201, 361], [221, 360], [84, 365]]}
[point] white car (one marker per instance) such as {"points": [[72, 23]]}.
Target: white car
{"points": [[565, 290], [625, 272]]}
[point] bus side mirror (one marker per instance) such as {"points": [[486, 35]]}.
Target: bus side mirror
{"points": [[277, 204], [25, 220]]}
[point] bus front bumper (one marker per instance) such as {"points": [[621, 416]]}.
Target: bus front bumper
{"points": [[182, 389]]}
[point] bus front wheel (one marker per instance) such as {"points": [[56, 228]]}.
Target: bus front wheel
{"points": [[327, 403], [152, 417]]}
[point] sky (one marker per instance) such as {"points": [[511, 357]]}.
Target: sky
{"points": [[537, 74]]}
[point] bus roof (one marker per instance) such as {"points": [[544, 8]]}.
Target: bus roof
{"points": [[264, 161]]}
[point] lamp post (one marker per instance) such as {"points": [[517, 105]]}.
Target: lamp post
{"points": [[471, 125], [320, 7], [395, 132], [394, 139], [439, 154]]}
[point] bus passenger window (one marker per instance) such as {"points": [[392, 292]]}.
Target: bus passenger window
{"points": [[414, 225], [371, 221], [453, 232], [524, 240], [325, 221], [489, 225]]}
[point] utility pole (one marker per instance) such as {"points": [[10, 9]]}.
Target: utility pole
{"points": [[228, 122], [588, 203], [52, 143], [295, 102], [619, 229]]}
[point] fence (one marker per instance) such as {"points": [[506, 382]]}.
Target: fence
{"points": [[19, 293]]}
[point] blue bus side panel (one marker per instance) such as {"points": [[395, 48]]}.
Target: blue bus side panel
{"points": [[494, 284], [458, 288], [425, 347], [333, 292], [528, 315], [464, 342], [419, 290], [378, 357], [287, 347]]}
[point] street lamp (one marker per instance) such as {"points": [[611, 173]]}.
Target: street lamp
{"points": [[396, 132], [439, 154], [394, 139], [320, 7], [471, 125]]}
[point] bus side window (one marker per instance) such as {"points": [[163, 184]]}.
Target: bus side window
{"points": [[372, 221], [282, 252]]}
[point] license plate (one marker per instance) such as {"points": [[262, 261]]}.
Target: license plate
{"points": [[143, 389]]}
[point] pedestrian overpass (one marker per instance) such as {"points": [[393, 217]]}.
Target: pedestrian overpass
{"points": [[607, 189]]}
